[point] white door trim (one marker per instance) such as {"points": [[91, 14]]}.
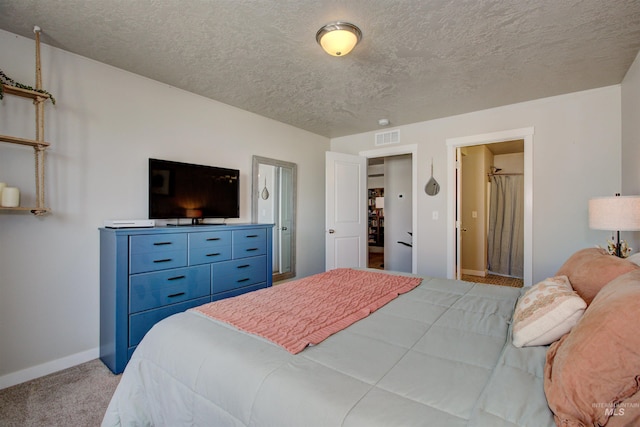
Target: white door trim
{"points": [[396, 151], [488, 138]]}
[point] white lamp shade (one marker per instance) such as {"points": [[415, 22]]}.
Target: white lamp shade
{"points": [[619, 213], [379, 202]]}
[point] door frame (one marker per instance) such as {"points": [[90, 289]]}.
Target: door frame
{"points": [[397, 151], [525, 134]]}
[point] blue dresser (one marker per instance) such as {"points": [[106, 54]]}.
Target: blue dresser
{"points": [[147, 274]]}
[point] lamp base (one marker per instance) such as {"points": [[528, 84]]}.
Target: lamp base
{"points": [[619, 248]]}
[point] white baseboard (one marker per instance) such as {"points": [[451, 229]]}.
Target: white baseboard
{"points": [[48, 368]]}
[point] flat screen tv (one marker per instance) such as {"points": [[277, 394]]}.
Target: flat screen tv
{"points": [[183, 190]]}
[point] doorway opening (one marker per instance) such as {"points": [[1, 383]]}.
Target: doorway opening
{"points": [[375, 213], [390, 208], [392, 205], [455, 220], [491, 213]]}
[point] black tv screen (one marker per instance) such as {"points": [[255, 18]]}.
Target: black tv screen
{"points": [[183, 190]]}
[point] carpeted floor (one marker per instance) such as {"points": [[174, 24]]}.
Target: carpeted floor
{"points": [[376, 260], [77, 397]]}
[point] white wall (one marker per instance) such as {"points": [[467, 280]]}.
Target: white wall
{"points": [[105, 126], [631, 141], [576, 153]]}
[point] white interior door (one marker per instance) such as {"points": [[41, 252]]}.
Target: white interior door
{"points": [[346, 211]]}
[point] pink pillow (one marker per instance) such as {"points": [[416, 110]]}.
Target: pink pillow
{"points": [[590, 269], [626, 413], [596, 366]]}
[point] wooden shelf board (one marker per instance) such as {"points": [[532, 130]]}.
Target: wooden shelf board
{"points": [[25, 93], [23, 141], [26, 209]]}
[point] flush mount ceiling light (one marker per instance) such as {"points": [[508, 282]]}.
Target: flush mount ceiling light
{"points": [[338, 38]]}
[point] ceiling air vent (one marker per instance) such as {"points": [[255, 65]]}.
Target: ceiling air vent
{"points": [[386, 138]]}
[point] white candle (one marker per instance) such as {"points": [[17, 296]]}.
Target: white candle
{"points": [[10, 197]]}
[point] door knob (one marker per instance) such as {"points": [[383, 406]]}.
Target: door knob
{"points": [[284, 228], [331, 231]]}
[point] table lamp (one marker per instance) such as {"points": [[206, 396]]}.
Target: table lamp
{"points": [[618, 213]]}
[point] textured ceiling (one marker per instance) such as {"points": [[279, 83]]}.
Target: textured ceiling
{"points": [[418, 59]]}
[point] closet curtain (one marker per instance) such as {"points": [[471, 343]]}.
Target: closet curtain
{"points": [[506, 226]]}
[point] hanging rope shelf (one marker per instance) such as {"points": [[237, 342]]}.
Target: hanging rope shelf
{"points": [[9, 86]]}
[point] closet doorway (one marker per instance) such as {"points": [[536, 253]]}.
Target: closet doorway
{"points": [[454, 219], [491, 212]]}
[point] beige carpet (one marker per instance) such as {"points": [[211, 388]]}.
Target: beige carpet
{"points": [[76, 397]]}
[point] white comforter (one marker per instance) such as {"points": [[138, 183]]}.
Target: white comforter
{"points": [[440, 355]]}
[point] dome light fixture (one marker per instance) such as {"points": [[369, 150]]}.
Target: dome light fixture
{"points": [[338, 38]]}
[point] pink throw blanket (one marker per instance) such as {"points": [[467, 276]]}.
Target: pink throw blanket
{"points": [[309, 310]]}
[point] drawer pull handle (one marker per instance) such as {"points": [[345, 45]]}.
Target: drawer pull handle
{"points": [[211, 239], [162, 260], [161, 243], [176, 278], [249, 236], [244, 266], [243, 280], [252, 249], [214, 254], [175, 295]]}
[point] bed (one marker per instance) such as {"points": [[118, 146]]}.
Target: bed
{"points": [[441, 354]]}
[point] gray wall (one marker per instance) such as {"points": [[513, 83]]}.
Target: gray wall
{"points": [[631, 141], [576, 155], [105, 126]]}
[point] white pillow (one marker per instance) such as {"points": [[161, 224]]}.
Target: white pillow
{"points": [[546, 312]]}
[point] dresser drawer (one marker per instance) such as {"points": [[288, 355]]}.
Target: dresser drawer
{"points": [[153, 261], [239, 273], [208, 255], [157, 252], [157, 243], [247, 243], [239, 291], [151, 290], [140, 323], [209, 239]]}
